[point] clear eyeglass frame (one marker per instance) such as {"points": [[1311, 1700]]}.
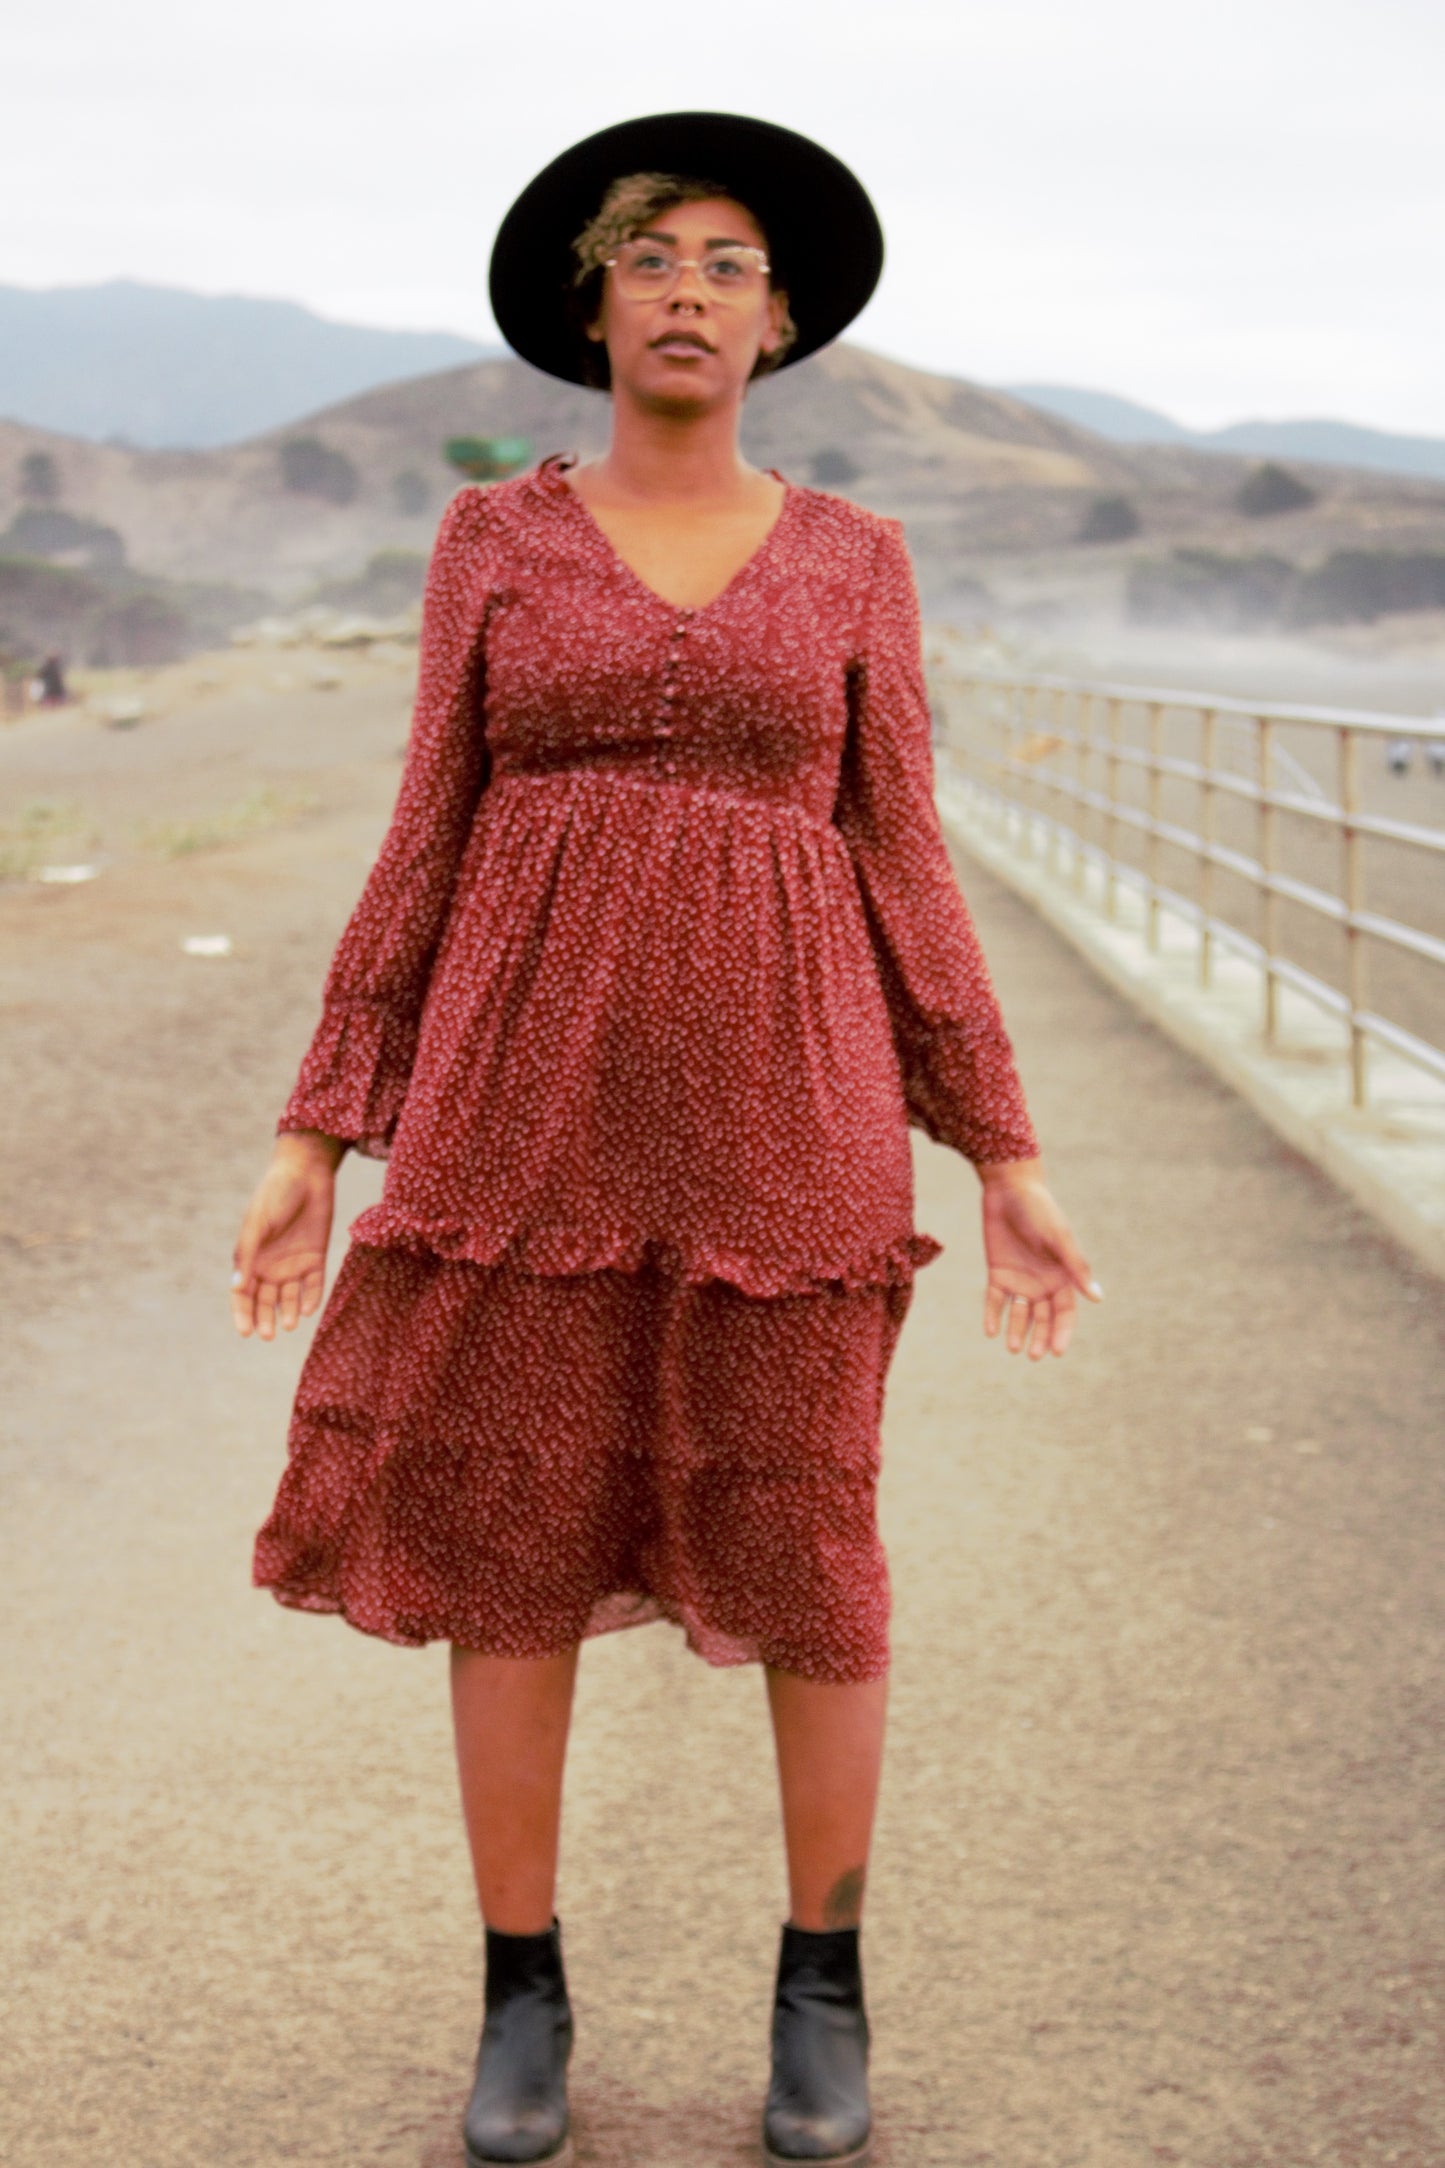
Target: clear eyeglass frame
{"points": [[729, 274]]}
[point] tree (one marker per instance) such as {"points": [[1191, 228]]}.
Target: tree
{"points": [[833, 468], [1269, 488], [1109, 519], [410, 492], [314, 469], [39, 478]]}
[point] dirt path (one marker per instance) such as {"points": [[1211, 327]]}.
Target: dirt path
{"points": [[1159, 1869]]}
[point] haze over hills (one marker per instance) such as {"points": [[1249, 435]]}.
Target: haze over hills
{"points": [[1346, 444], [160, 367]]}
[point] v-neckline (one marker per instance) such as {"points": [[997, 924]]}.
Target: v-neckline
{"points": [[557, 466]]}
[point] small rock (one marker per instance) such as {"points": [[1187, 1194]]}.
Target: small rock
{"points": [[66, 874], [1258, 1434], [123, 711], [207, 944]]}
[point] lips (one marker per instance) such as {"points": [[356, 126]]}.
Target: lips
{"points": [[685, 340]]}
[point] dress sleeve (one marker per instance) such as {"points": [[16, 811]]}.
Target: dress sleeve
{"points": [[959, 1080], [355, 1072]]}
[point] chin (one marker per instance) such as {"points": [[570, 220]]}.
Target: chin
{"points": [[677, 399]]}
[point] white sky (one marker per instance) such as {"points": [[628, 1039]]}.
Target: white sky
{"points": [[1227, 210]]}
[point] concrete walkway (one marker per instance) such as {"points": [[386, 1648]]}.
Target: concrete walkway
{"points": [[1159, 1870]]}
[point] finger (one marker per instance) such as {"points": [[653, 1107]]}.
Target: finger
{"points": [[290, 1303], [1064, 1312], [311, 1285], [995, 1302], [266, 1293], [1041, 1326], [1080, 1271], [243, 1311], [1018, 1323]]}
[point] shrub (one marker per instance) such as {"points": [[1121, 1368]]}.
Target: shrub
{"points": [[314, 469], [410, 492], [1269, 488], [35, 532], [1205, 587], [1356, 586], [833, 468], [1109, 519], [39, 478]]}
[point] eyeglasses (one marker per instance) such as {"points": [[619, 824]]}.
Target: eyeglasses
{"points": [[645, 271]]}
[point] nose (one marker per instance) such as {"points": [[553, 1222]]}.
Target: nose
{"points": [[689, 276]]}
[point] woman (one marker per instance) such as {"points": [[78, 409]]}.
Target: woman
{"points": [[662, 953]]}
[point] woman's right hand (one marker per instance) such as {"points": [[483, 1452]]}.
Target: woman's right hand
{"points": [[280, 1255]]}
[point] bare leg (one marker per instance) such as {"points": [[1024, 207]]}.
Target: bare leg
{"points": [[830, 1753], [511, 1716]]}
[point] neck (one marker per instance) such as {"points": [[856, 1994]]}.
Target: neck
{"points": [[680, 456]]}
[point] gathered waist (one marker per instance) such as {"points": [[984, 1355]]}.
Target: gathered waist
{"points": [[604, 782]]}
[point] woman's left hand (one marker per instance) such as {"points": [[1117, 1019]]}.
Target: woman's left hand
{"points": [[1034, 1263]]}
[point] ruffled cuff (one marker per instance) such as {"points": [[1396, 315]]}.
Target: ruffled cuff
{"points": [[354, 1078], [964, 1092]]}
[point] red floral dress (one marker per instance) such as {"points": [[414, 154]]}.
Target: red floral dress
{"points": [[661, 955]]}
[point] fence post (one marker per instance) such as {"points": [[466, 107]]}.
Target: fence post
{"points": [[1156, 741], [1356, 957], [1083, 747], [1209, 721], [1268, 842], [1111, 792]]}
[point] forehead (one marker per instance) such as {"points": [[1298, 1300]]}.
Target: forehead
{"points": [[711, 218]]}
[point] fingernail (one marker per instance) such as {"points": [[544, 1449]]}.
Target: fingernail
{"points": [[1096, 1291], [238, 1279]]}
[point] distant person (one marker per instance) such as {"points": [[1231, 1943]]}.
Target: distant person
{"points": [[50, 686], [662, 953], [1398, 752]]}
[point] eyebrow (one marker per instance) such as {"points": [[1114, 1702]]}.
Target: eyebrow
{"points": [[715, 240]]}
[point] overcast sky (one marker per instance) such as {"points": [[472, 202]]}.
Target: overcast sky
{"points": [[1227, 210]]}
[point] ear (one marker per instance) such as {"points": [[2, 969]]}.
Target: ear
{"points": [[773, 328]]}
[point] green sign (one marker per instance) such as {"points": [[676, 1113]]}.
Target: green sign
{"points": [[487, 459]]}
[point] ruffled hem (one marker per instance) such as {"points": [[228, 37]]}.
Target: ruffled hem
{"points": [[550, 1252], [611, 1614]]}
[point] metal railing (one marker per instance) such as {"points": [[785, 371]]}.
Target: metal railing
{"points": [[1108, 775]]}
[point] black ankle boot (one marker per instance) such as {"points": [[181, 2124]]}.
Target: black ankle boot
{"points": [[818, 2100], [518, 2108]]}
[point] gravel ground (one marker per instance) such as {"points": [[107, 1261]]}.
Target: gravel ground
{"points": [[1158, 1875]]}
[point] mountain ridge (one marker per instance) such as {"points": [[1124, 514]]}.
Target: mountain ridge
{"points": [[1320, 438]]}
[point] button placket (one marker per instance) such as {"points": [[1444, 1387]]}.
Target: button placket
{"points": [[664, 724]]}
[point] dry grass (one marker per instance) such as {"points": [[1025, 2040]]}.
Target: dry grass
{"points": [[28, 843], [249, 816]]}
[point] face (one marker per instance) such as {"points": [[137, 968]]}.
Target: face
{"points": [[691, 350]]}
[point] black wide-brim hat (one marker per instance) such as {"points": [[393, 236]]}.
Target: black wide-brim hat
{"points": [[824, 240]]}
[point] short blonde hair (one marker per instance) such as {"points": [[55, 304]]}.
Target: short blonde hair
{"points": [[629, 207]]}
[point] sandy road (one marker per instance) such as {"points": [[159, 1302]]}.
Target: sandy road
{"points": [[1160, 1862]]}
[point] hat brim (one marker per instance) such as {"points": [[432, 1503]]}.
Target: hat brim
{"points": [[823, 233]]}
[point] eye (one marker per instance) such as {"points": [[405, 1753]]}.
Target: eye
{"points": [[649, 263], [727, 270]]}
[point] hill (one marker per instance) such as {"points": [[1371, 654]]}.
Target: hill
{"points": [[1011, 512], [157, 366], [1345, 444]]}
